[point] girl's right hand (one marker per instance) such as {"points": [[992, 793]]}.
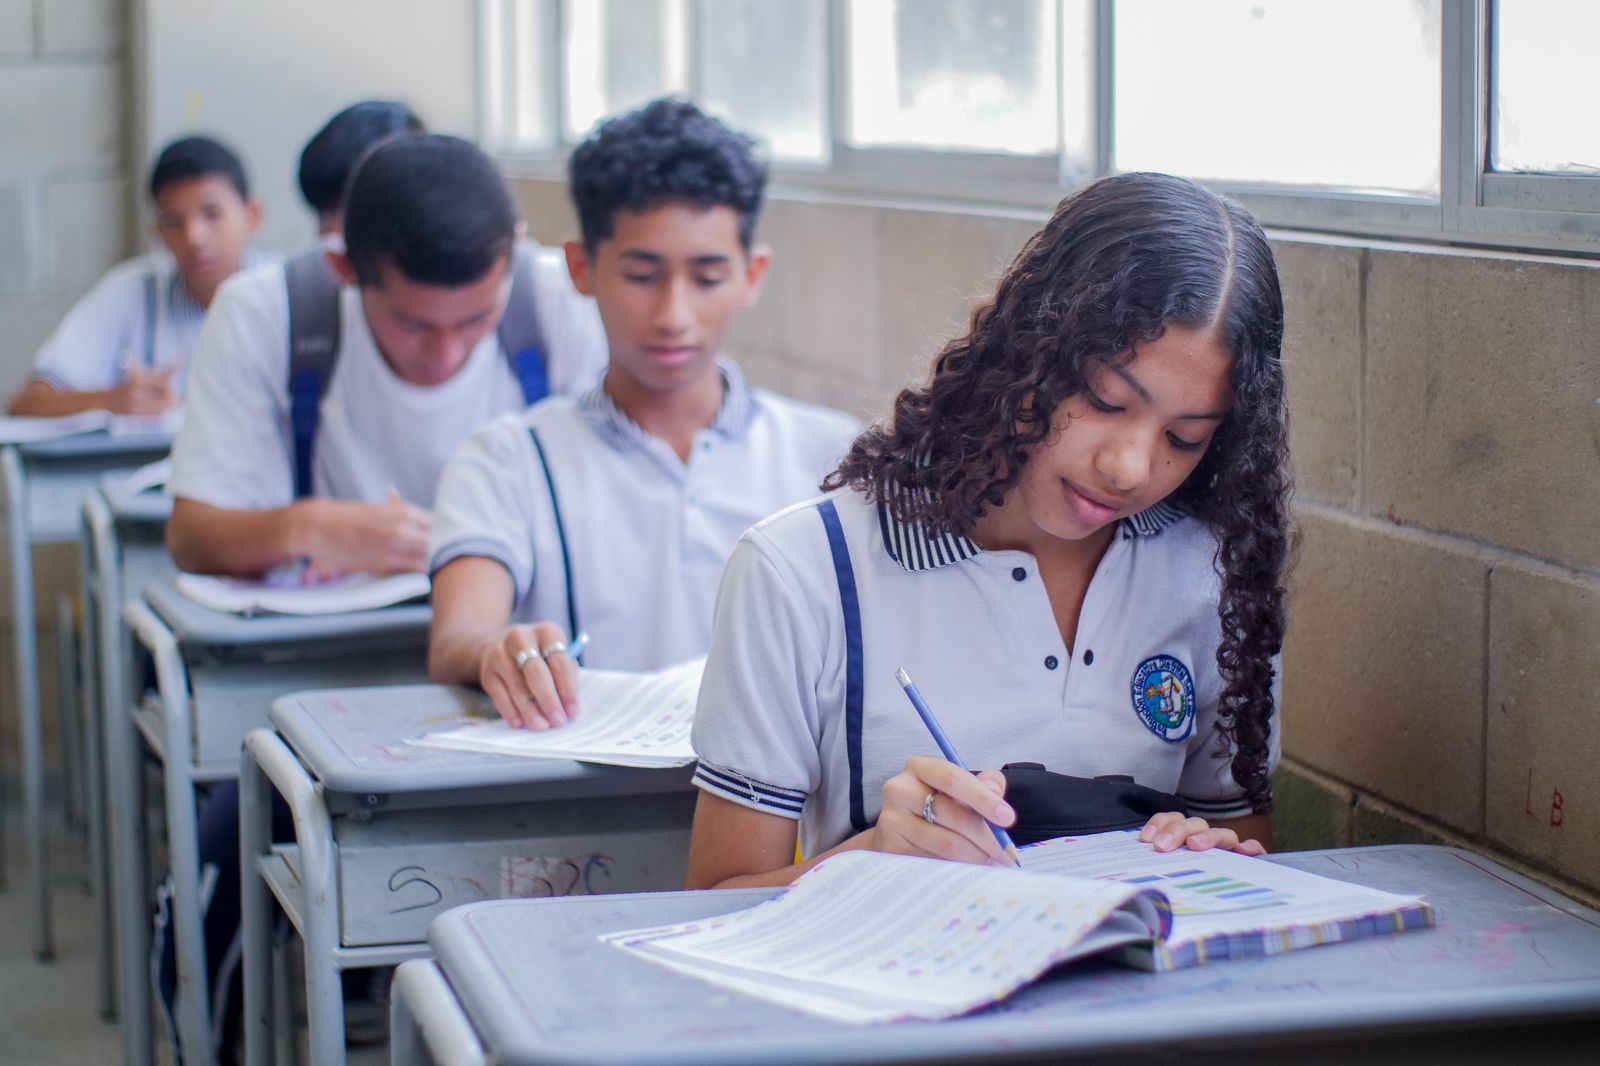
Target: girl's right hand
{"points": [[960, 803], [540, 693]]}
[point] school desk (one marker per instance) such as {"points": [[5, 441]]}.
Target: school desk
{"points": [[120, 546], [43, 484], [1509, 963], [216, 674], [388, 835]]}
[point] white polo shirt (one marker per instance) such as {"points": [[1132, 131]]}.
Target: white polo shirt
{"points": [[112, 323], [975, 631], [642, 536], [236, 448]]}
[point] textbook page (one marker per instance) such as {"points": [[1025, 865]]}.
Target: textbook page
{"points": [[624, 719], [1226, 905], [25, 430], [872, 937], [285, 592]]}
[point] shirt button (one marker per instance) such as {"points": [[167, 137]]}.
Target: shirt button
{"points": [[1051, 662], [1019, 574], [1088, 656]]}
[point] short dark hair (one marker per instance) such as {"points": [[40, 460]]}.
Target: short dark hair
{"points": [[332, 152], [664, 151], [435, 207], [188, 158]]}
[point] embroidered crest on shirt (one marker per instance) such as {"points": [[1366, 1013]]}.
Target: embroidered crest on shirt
{"points": [[1163, 697]]}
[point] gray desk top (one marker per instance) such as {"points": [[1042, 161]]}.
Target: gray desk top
{"points": [[194, 624], [150, 507], [540, 988], [96, 444], [353, 740]]}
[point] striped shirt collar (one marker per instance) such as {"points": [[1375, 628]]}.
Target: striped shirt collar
{"points": [[179, 304], [738, 410], [910, 544]]}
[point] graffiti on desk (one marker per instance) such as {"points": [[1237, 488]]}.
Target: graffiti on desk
{"points": [[410, 883], [1558, 811], [543, 876]]}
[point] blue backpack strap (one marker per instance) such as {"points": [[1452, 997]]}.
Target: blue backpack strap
{"points": [[854, 669], [313, 347], [152, 307], [520, 335], [561, 534]]}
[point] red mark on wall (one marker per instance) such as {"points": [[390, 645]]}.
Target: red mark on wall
{"points": [[1556, 812]]}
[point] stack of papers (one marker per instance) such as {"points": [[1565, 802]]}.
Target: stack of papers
{"points": [[285, 594], [23, 430], [624, 719]]}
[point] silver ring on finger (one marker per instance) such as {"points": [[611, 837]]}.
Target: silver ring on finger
{"points": [[927, 808], [555, 647], [522, 657]]}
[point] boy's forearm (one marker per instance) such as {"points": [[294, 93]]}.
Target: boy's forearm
{"points": [[39, 400], [214, 540]]}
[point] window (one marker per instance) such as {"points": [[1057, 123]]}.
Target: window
{"points": [[1454, 120]]}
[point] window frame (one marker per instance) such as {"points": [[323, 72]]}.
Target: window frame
{"points": [[1476, 205]]}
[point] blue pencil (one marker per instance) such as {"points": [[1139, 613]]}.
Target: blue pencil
{"points": [[579, 642], [949, 751]]}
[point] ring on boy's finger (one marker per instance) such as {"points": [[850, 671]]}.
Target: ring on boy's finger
{"points": [[927, 808], [555, 647], [524, 655]]}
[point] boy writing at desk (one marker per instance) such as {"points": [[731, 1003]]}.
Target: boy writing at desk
{"points": [[125, 346], [612, 512]]}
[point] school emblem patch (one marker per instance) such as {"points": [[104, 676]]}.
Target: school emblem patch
{"points": [[1163, 697]]}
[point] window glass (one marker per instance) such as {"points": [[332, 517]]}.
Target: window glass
{"points": [[764, 69], [1546, 95], [619, 54]]}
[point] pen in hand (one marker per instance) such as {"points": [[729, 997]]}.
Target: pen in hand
{"points": [[949, 752]]}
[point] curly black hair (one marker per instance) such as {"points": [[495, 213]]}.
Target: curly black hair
{"points": [[666, 150], [1120, 261]]}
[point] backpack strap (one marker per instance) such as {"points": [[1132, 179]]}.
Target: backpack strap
{"points": [[314, 334], [151, 309], [520, 335], [561, 535], [854, 669]]}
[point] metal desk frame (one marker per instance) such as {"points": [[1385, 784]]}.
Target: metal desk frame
{"points": [[221, 670], [325, 787], [43, 485]]}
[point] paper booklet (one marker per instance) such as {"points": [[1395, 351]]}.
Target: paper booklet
{"points": [[284, 593], [26, 430], [624, 719], [871, 937]]}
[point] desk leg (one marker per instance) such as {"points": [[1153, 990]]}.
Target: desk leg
{"points": [[427, 1025], [101, 696], [130, 888], [25, 648], [69, 706], [255, 904]]}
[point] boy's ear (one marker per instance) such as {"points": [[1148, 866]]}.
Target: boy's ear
{"points": [[254, 212], [339, 262], [580, 266], [755, 272]]}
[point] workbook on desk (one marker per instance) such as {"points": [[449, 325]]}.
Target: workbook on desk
{"points": [[288, 593], [871, 937], [624, 719], [27, 430]]}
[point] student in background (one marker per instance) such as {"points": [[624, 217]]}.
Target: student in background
{"points": [[613, 511], [124, 347], [333, 459], [333, 151], [1072, 537], [328, 450]]}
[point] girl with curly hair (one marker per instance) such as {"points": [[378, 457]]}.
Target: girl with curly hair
{"points": [[1072, 536]]}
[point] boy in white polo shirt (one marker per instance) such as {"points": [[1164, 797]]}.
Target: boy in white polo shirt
{"points": [[124, 347], [613, 512], [433, 277]]}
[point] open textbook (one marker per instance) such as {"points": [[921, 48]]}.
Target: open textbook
{"points": [[624, 719], [285, 593], [870, 937], [27, 430]]}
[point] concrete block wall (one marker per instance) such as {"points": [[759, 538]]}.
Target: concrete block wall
{"points": [[1440, 673]]}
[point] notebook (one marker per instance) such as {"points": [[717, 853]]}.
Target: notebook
{"points": [[624, 719], [870, 937], [26, 430], [284, 593]]}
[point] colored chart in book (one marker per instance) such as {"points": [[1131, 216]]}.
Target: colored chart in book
{"points": [[1194, 891]]}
